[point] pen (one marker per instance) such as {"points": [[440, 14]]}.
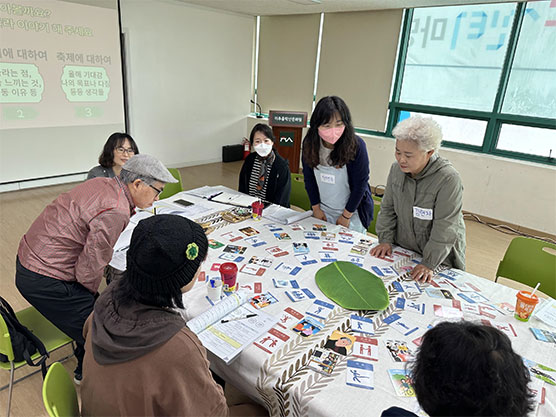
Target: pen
{"points": [[238, 318]]}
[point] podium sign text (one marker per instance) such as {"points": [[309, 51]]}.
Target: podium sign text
{"points": [[287, 127]]}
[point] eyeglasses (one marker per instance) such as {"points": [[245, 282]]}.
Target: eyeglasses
{"points": [[158, 192], [122, 150]]}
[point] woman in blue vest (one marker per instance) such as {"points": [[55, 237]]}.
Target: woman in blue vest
{"points": [[336, 167]]}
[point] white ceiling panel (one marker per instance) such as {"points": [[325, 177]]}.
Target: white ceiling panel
{"points": [[277, 7]]}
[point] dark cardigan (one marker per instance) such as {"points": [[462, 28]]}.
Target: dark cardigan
{"points": [[358, 172], [279, 184]]}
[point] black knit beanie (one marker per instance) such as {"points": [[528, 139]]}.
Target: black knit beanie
{"points": [[164, 254]]}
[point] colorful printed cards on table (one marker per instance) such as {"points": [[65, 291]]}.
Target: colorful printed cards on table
{"points": [[239, 250], [264, 262], [384, 271], [320, 309], [272, 341], [402, 382], [249, 231], [255, 241], [398, 350], [365, 348], [362, 324], [284, 283], [300, 247], [308, 326], [230, 257], [214, 244], [300, 294], [287, 269], [543, 335], [288, 317], [360, 374], [323, 361], [402, 325], [276, 251], [305, 259], [326, 256], [252, 270], [408, 287], [231, 236], [408, 305], [311, 235], [263, 300]]}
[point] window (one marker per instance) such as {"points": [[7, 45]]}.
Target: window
{"points": [[486, 73], [532, 85], [455, 55], [527, 140], [456, 129]]}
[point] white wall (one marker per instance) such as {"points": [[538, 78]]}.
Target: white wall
{"points": [[189, 79], [512, 191], [517, 192]]}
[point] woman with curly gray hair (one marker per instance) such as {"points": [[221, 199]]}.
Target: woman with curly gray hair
{"points": [[421, 208]]}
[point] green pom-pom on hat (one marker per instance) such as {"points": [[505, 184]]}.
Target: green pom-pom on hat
{"points": [[192, 251]]}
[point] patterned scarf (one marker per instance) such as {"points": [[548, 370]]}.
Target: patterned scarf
{"points": [[266, 165]]}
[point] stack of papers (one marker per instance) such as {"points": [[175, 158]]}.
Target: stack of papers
{"points": [[547, 312], [285, 215]]}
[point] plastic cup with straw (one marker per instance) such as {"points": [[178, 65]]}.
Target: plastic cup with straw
{"points": [[526, 303]]}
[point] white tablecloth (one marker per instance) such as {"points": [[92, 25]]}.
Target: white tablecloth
{"points": [[283, 383]]}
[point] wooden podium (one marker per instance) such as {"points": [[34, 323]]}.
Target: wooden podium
{"points": [[287, 127]]}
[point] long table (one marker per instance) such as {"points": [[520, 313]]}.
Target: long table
{"points": [[283, 382]]}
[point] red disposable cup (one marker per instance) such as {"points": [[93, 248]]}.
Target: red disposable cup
{"points": [[525, 305], [228, 272], [257, 210]]}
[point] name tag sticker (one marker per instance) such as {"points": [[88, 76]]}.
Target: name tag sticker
{"points": [[422, 213], [328, 178]]}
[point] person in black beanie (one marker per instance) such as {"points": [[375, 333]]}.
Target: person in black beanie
{"points": [[140, 357]]}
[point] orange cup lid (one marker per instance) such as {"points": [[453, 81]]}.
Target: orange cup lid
{"points": [[526, 296]]}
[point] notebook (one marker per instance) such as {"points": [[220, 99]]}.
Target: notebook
{"points": [[225, 332]]}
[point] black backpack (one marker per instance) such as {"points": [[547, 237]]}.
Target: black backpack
{"points": [[24, 343]]}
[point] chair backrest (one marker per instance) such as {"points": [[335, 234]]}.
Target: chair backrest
{"points": [[5, 340], [372, 226], [171, 189], [58, 393], [527, 261], [298, 195]]}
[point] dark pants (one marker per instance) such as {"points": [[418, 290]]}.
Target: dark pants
{"points": [[66, 304]]}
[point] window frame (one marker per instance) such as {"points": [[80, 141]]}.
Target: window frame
{"points": [[495, 118]]}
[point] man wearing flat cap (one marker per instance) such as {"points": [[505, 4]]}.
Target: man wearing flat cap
{"points": [[61, 258]]}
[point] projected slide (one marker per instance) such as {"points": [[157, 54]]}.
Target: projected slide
{"points": [[59, 65]]}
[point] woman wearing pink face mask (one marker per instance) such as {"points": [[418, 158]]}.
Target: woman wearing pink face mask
{"points": [[336, 167]]}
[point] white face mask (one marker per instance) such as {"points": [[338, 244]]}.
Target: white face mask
{"points": [[263, 149]]}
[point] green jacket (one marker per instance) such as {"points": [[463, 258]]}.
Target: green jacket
{"points": [[438, 231]]}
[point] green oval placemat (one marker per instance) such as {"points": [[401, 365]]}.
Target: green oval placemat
{"points": [[352, 287]]}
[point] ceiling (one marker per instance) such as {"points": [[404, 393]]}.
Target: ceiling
{"points": [[277, 7]]}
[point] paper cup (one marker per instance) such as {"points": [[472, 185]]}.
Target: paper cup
{"points": [[257, 210], [214, 289], [525, 305], [228, 272]]}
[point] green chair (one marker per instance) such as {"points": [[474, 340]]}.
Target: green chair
{"points": [[371, 229], [171, 189], [49, 334], [58, 393], [298, 195], [526, 262]]}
